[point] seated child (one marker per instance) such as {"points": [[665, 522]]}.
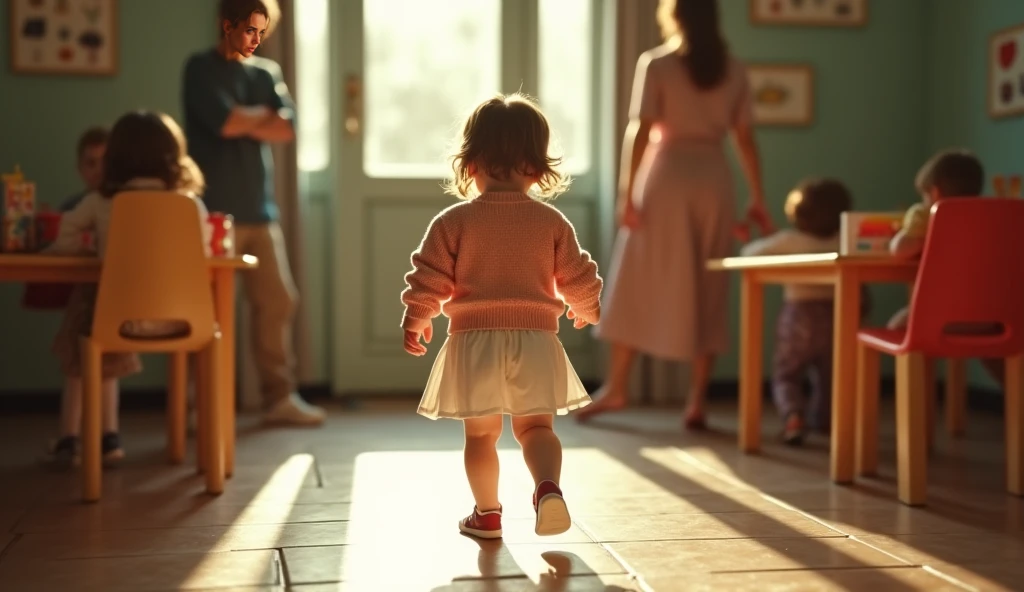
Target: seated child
{"points": [[951, 173], [146, 150], [91, 146], [803, 338]]}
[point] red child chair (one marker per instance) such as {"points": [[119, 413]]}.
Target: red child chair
{"points": [[967, 302]]}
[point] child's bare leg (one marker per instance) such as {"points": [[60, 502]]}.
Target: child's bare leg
{"points": [[111, 396], [542, 450], [71, 407], [700, 374], [481, 458]]}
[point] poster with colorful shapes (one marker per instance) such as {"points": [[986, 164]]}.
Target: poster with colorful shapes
{"points": [[64, 37], [810, 13], [1006, 73]]}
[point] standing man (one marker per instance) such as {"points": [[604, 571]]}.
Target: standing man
{"points": [[236, 106]]}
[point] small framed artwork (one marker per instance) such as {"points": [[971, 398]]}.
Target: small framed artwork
{"points": [[810, 13], [64, 37], [783, 94], [1006, 73]]}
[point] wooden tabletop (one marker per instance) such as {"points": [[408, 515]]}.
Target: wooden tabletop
{"points": [[820, 261], [28, 260]]}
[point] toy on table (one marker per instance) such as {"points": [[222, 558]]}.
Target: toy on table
{"points": [[222, 241], [999, 184], [868, 233], [18, 231]]}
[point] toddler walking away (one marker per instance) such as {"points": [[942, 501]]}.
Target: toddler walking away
{"points": [[803, 334], [950, 173], [92, 144], [502, 266], [146, 151]]}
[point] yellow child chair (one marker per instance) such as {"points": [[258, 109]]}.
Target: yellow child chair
{"points": [[155, 268]]}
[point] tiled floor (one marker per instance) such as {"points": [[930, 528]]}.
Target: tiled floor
{"points": [[370, 503]]}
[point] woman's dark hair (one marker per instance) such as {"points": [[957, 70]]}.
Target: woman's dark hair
{"points": [[815, 206], [705, 52], [148, 144]]}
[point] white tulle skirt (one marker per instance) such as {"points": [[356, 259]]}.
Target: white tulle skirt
{"points": [[480, 373]]}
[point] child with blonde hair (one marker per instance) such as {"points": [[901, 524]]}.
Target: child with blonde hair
{"points": [[502, 266]]}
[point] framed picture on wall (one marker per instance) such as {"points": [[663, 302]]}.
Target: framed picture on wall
{"points": [[783, 94], [810, 13], [1006, 72], [63, 37]]}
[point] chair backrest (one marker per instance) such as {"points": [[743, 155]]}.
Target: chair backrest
{"points": [[154, 268], [968, 300]]}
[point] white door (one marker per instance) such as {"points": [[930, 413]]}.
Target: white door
{"points": [[405, 73]]}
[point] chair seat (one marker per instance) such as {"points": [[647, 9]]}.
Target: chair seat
{"points": [[888, 341]]}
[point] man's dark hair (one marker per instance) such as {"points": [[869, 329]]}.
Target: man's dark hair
{"points": [[954, 173], [237, 11], [816, 206], [94, 136]]}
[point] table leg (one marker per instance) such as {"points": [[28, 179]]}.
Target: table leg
{"points": [[224, 304], [751, 362], [844, 374], [1015, 425]]}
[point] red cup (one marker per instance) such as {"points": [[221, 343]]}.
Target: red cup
{"points": [[47, 228], [222, 241]]}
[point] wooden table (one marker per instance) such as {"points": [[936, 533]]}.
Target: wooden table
{"points": [[847, 274], [86, 270]]}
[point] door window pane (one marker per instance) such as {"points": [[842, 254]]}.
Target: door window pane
{"points": [[311, 80], [427, 62], [565, 59]]}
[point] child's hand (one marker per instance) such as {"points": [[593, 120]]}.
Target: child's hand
{"points": [[578, 322], [412, 340]]}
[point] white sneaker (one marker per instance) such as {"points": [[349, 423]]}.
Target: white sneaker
{"points": [[293, 410]]}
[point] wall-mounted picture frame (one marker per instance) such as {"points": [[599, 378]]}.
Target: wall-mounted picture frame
{"points": [[810, 13], [64, 37], [1006, 73], [783, 94]]}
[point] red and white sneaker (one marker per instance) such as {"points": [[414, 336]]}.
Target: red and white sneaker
{"points": [[485, 525], [552, 513]]}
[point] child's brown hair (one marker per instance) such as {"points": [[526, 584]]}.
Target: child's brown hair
{"points": [[94, 136], [504, 135], [815, 206], [954, 173], [149, 144]]}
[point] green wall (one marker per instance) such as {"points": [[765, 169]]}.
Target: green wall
{"points": [[42, 117], [957, 43], [870, 125], [887, 94]]}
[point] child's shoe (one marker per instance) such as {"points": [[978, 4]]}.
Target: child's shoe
{"points": [[552, 513], [63, 453], [111, 449], [793, 433], [485, 525]]}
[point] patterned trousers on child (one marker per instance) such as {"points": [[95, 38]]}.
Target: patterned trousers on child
{"points": [[803, 350]]}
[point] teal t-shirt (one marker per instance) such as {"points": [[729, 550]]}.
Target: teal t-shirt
{"points": [[239, 171]]}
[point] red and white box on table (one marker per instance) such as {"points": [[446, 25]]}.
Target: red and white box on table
{"points": [[868, 233], [19, 213]]}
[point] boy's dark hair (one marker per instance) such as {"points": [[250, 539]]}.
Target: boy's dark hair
{"points": [[236, 11], [954, 173], [815, 206], [94, 136], [149, 144]]}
